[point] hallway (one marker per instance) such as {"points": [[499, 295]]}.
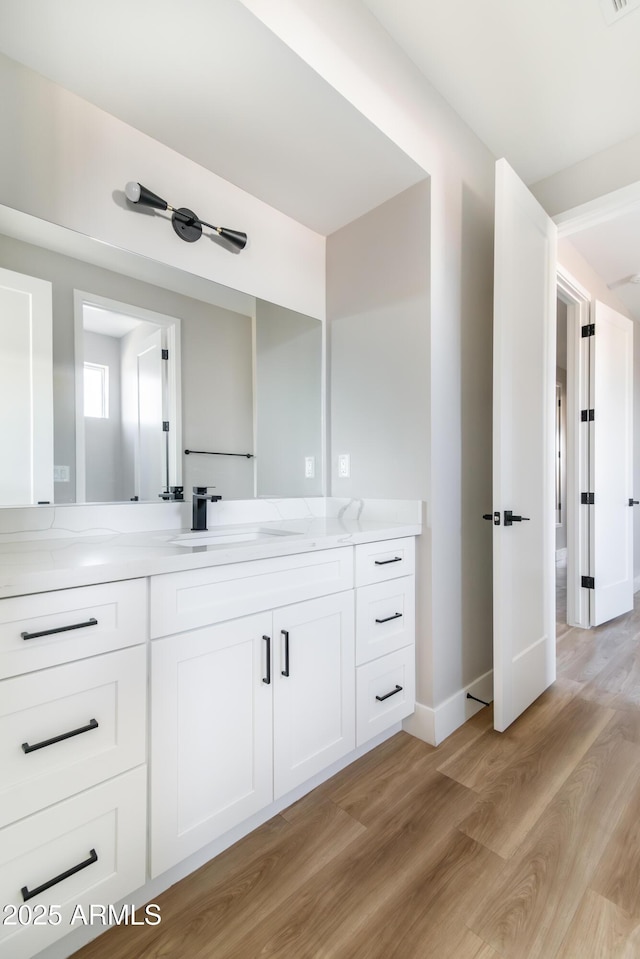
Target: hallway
{"points": [[524, 844]]}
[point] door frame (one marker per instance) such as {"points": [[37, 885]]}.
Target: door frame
{"points": [[606, 207], [578, 302], [171, 325]]}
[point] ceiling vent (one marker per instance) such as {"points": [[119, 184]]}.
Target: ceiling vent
{"points": [[613, 10]]}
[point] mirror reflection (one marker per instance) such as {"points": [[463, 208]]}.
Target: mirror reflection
{"points": [[102, 349]]}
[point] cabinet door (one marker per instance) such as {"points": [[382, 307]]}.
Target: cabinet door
{"points": [[314, 705], [211, 735]]}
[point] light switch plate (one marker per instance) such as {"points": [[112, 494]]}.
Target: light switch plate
{"points": [[309, 467], [344, 465]]}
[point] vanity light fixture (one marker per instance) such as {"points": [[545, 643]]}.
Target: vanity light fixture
{"points": [[186, 224]]}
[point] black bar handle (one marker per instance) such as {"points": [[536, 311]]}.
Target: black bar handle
{"points": [[383, 562], [633, 502], [285, 633], [93, 724], [29, 894], [267, 679], [60, 629], [248, 456], [381, 699], [389, 618]]}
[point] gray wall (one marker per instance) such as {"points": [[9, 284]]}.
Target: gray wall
{"points": [[378, 316], [103, 438], [217, 375], [399, 374], [288, 401]]}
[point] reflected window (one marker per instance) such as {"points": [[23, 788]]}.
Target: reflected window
{"points": [[96, 390]]}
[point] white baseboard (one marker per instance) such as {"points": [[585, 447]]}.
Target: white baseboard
{"points": [[636, 584], [434, 725]]}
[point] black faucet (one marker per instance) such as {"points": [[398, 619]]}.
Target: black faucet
{"points": [[200, 500]]}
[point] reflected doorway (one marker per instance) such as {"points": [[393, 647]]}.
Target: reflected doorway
{"points": [[128, 428]]}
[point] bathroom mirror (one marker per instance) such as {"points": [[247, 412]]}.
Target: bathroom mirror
{"points": [[248, 380]]}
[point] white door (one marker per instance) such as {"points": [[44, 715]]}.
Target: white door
{"points": [[151, 451], [611, 464], [211, 734], [523, 460], [26, 390], [314, 691]]}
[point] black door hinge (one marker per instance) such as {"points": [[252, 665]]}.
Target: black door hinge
{"points": [[587, 499], [588, 582], [165, 354], [587, 416], [589, 329], [165, 426]]}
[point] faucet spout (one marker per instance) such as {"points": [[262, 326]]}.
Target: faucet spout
{"points": [[199, 510]]}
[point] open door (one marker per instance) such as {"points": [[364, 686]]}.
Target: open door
{"points": [[611, 464], [26, 389], [523, 461]]}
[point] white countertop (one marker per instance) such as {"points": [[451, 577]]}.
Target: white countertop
{"points": [[35, 564]]}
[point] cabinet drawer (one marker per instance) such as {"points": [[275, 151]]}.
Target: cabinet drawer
{"points": [[75, 623], [384, 560], [385, 617], [101, 830], [181, 601], [378, 679], [101, 700]]}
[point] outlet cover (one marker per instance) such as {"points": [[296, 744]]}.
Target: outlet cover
{"points": [[61, 474], [309, 467], [344, 465]]}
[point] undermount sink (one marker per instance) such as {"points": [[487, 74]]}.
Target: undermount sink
{"points": [[243, 535]]}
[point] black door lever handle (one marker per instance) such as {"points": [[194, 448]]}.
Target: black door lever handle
{"points": [[633, 502], [510, 518]]}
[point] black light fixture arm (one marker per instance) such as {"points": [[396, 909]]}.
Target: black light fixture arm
{"points": [[186, 224]]}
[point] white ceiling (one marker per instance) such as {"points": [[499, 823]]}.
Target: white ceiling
{"points": [[544, 83]]}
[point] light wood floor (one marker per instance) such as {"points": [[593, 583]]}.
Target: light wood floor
{"points": [[524, 844]]}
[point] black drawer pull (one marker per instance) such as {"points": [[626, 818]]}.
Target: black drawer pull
{"points": [[267, 679], [381, 699], [383, 562], [93, 724], [26, 894], [389, 618], [285, 633], [60, 629]]}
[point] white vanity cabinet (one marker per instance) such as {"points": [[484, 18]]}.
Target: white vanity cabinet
{"points": [[245, 709], [385, 634], [72, 753]]}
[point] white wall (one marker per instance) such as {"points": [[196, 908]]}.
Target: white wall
{"points": [[66, 161]]}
